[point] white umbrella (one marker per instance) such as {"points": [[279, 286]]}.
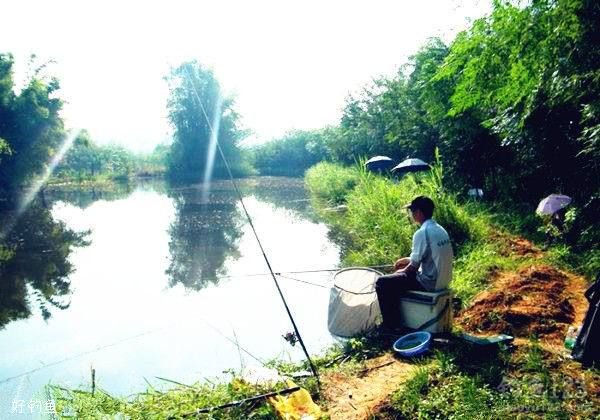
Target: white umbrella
{"points": [[475, 193], [410, 165], [552, 204], [379, 163]]}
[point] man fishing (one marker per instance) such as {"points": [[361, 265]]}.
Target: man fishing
{"points": [[428, 268]]}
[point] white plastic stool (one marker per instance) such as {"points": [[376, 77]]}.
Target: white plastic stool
{"points": [[427, 311]]}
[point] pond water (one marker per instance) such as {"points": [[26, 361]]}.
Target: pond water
{"points": [[168, 286]]}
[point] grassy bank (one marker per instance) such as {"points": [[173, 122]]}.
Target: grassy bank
{"points": [[377, 230], [462, 382], [458, 380], [182, 400]]}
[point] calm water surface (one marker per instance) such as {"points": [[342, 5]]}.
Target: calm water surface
{"points": [[168, 285]]}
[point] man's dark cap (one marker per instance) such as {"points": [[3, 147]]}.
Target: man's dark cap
{"points": [[425, 204]]}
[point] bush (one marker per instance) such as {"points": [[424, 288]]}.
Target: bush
{"points": [[378, 227], [330, 183]]}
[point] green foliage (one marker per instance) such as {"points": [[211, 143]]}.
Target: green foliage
{"points": [[583, 262], [292, 154], [529, 78], [175, 403], [86, 160], [512, 103], [388, 117], [475, 265], [330, 183], [195, 105], [30, 125], [4, 148], [153, 163], [379, 228]]}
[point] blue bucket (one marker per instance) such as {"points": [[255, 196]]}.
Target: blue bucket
{"points": [[413, 344]]}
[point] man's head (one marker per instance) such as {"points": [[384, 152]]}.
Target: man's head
{"points": [[421, 208]]}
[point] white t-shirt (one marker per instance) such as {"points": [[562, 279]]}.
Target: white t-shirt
{"points": [[432, 255]]}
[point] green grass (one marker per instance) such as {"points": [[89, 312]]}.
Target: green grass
{"points": [[521, 220], [586, 263], [348, 359], [463, 383], [156, 404], [379, 226], [377, 230], [476, 265], [329, 183]]}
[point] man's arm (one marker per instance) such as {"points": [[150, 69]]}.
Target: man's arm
{"points": [[401, 263], [409, 269]]}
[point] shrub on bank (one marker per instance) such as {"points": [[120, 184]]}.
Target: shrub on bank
{"points": [[330, 183], [377, 223], [377, 230]]}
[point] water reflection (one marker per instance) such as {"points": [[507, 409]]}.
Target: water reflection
{"points": [[34, 257], [203, 236], [34, 264], [83, 197], [281, 192]]}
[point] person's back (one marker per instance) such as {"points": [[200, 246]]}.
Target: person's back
{"points": [[428, 268], [434, 252]]}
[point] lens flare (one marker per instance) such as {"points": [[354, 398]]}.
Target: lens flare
{"points": [[40, 181], [212, 150]]}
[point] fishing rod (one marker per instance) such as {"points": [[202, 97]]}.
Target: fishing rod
{"points": [[214, 138]]}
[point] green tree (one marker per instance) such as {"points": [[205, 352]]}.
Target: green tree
{"points": [[30, 125], [291, 154], [87, 160], [523, 81], [195, 99], [389, 117]]}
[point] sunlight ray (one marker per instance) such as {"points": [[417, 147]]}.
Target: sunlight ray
{"points": [[37, 185], [212, 150]]}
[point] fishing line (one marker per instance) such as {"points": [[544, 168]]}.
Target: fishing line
{"points": [[219, 149], [235, 343], [319, 270], [75, 356], [303, 281], [116, 343]]}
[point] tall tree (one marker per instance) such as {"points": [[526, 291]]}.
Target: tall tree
{"points": [[30, 125], [196, 104], [389, 117], [524, 81]]}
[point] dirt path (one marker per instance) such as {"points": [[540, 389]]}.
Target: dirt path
{"points": [[356, 397]]}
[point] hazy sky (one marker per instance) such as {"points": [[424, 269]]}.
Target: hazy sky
{"points": [[290, 64]]}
